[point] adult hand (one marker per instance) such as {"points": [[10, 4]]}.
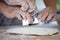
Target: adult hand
{"points": [[47, 15], [22, 3], [26, 5], [15, 12]]}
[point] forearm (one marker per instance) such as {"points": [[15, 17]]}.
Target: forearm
{"points": [[51, 4]]}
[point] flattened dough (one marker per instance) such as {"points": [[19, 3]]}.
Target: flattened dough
{"points": [[33, 30]]}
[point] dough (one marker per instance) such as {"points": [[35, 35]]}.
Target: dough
{"points": [[33, 30], [26, 22]]}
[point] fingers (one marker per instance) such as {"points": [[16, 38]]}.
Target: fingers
{"points": [[44, 17], [47, 15], [18, 16], [11, 2], [29, 17], [33, 1], [54, 18], [22, 3], [32, 6], [24, 16], [24, 6], [33, 13], [41, 15]]}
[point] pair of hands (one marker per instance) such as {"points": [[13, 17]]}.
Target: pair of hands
{"points": [[27, 9], [21, 9]]}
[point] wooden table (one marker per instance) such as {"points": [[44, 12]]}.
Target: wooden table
{"points": [[4, 36]]}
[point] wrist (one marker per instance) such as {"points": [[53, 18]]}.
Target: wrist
{"points": [[54, 9]]}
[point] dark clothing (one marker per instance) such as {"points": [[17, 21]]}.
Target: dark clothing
{"points": [[7, 22]]}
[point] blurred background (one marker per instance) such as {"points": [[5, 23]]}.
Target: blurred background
{"points": [[58, 5]]}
